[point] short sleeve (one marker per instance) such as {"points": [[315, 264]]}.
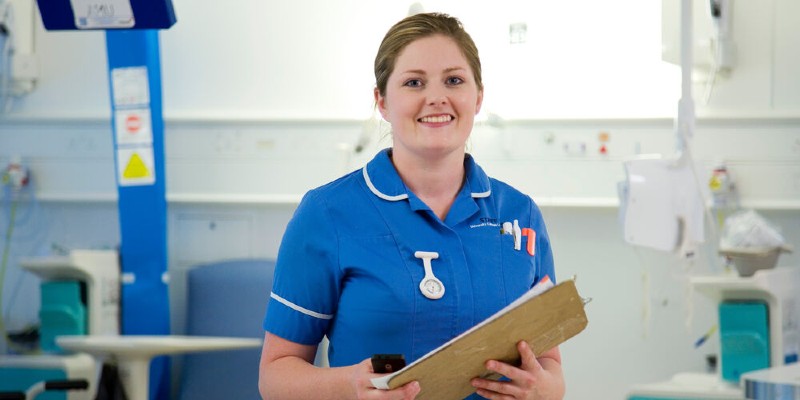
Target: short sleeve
{"points": [[305, 291]]}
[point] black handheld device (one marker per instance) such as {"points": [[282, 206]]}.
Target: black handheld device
{"points": [[387, 363]]}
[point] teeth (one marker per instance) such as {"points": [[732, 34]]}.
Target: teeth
{"points": [[439, 119]]}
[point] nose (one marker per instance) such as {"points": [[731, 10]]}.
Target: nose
{"points": [[437, 100], [437, 97]]}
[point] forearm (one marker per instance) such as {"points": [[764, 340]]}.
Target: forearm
{"points": [[294, 378]]}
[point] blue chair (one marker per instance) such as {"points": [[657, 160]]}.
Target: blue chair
{"points": [[225, 299]]}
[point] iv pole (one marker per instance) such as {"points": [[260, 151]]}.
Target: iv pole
{"points": [[685, 122]]}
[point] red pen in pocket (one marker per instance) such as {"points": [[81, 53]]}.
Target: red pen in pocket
{"points": [[531, 234]]}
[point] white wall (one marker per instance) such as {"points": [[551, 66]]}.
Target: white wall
{"points": [[265, 100], [313, 59]]}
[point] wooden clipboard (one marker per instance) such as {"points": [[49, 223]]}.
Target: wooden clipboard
{"points": [[544, 321]]}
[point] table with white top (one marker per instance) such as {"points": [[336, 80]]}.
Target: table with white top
{"points": [[134, 352]]}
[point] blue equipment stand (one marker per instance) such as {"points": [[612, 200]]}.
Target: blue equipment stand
{"points": [[138, 126]]}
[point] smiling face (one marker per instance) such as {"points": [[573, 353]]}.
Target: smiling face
{"points": [[431, 99]]}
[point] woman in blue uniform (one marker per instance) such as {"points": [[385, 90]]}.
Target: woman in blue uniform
{"points": [[413, 249]]}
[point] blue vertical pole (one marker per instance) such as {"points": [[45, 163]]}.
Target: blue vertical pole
{"points": [[135, 82]]}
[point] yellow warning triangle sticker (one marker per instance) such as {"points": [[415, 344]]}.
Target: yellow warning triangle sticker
{"points": [[715, 183], [135, 168]]}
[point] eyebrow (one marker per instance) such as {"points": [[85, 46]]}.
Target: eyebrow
{"points": [[446, 70]]}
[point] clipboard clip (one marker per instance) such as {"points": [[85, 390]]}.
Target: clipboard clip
{"points": [[584, 300]]}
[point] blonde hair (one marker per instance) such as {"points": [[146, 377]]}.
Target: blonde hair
{"points": [[420, 26]]}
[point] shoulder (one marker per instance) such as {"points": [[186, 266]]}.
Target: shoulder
{"points": [[335, 192], [344, 205], [514, 203], [504, 189], [503, 192], [489, 187]]}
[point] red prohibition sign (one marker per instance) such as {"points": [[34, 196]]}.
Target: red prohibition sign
{"points": [[133, 123]]}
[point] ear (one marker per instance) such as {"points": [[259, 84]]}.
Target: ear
{"points": [[380, 102], [480, 102]]}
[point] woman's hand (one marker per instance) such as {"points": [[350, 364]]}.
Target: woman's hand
{"points": [[363, 373], [534, 379]]}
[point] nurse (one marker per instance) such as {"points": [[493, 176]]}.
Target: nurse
{"points": [[414, 248]]}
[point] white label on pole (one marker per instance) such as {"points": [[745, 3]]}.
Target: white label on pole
{"points": [[136, 166], [133, 127], [102, 14], [130, 86], [128, 278]]}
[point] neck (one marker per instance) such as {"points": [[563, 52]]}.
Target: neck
{"points": [[436, 182]]}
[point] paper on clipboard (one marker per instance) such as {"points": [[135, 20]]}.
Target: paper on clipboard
{"points": [[545, 316]]}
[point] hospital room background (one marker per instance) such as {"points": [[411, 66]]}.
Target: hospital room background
{"points": [[263, 100]]}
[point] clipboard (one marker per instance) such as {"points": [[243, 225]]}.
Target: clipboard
{"points": [[544, 320]]}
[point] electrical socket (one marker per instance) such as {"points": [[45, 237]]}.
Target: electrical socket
{"points": [[575, 148]]}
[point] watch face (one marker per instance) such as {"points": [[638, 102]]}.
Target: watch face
{"points": [[432, 288]]}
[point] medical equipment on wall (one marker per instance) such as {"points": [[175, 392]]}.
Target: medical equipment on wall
{"points": [[722, 185], [712, 23], [662, 207], [16, 175], [724, 193], [714, 50], [661, 200], [724, 50]]}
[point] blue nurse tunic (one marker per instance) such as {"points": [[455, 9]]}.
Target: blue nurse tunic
{"points": [[347, 269]]}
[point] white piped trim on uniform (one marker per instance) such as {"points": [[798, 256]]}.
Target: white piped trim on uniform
{"points": [[376, 192], [295, 307], [481, 195], [128, 278]]}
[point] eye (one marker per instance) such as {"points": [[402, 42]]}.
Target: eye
{"points": [[413, 83], [453, 81]]}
